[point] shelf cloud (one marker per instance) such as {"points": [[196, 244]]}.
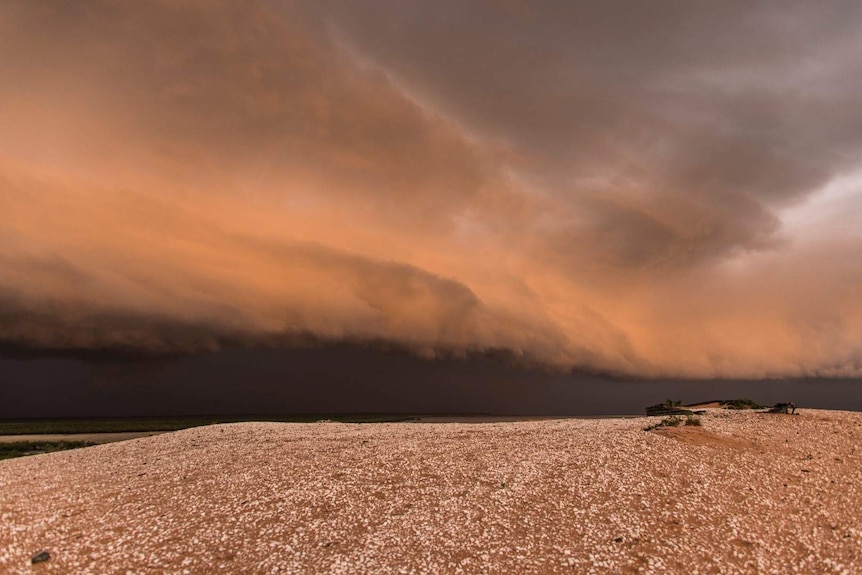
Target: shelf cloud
{"points": [[655, 190]]}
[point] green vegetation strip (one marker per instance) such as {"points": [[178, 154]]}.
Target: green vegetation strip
{"points": [[676, 421], [744, 403], [21, 448], [100, 425]]}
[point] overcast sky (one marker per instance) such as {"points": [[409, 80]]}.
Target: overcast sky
{"points": [[664, 189]]}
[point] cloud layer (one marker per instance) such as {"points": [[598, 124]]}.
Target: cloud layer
{"points": [[662, 190]]}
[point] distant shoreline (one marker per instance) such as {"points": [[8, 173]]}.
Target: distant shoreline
{"points": [[99, 425], [88, 437]]}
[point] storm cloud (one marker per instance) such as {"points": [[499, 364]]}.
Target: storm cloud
{"points": [[646, 189]]}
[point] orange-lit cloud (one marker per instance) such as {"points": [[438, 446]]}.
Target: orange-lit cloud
{"points": [[615, 188]]}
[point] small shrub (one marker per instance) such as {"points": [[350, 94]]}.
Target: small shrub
{"points": [[672, 421], [743, 403], [693, 420]]}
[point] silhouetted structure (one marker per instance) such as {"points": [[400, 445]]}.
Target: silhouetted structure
{"points": [[783, 408]]}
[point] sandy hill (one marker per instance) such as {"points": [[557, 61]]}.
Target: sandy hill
{"points": [[747, 493]]}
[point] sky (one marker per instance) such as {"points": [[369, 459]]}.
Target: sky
{"points": [[644, 191]]}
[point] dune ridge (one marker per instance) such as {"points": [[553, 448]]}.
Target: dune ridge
{"points": [[747, 493]]}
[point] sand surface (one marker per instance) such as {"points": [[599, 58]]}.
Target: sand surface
{"points": [[747, 493]]}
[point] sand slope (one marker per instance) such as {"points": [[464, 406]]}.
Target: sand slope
{"points": [[750, 493]]}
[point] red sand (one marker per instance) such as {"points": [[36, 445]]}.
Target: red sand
{"points": [[747, 493]]}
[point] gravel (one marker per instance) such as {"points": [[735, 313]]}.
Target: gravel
{"points": [[746, 493]]}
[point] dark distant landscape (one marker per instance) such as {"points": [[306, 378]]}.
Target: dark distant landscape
{"points": [[348, 380]]}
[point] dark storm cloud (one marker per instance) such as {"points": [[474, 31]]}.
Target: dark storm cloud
{"points": [[635, 188], [699, 120]]}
